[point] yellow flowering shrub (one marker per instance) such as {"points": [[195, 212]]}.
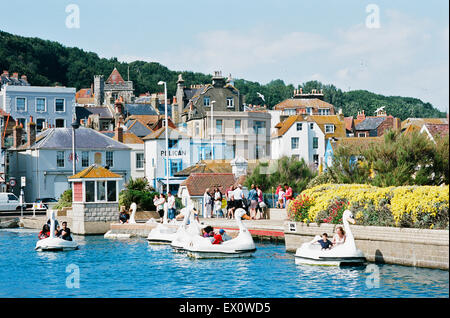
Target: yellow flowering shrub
{"points": [[405, 206]]}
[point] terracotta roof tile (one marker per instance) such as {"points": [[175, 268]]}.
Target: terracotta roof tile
{"points": [[437, 129], [95, 171], [197, 183], [115, 77]]}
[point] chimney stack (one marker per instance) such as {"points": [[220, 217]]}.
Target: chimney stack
{"points": [[17, 134], [118, 131], [31, 133]]}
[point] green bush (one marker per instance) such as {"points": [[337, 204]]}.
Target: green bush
{"points": [[65, 200]]}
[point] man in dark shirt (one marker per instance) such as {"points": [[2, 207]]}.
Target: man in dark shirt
{"points": [[64, 233], [325, 242]]}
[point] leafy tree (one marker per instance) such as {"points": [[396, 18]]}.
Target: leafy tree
{"points": [[288, 170]]}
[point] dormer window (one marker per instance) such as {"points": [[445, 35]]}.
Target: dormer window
{"points": [[230, 102], [329, 129], [206, 101]]}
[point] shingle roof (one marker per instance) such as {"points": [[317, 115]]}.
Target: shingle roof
{"points": [[85, 138], [218, 166], [437, 129], [128, 137], [419, 122], [358, 141], [139, 109], [348, 123], [137, 128], [102, 111], [160, 133], [115, 77], [339, 125], [95, 171], [302, 103], [197, 183], [370, 123]]}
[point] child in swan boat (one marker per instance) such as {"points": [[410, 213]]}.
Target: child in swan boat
{"points": [[325, 242]]}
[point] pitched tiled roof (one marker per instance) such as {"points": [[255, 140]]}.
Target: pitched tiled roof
{"points": [[348, 123], [95, 171], [102, 111], [115, 77], [85, 138], [357, 141], [339, 126], [206, 166], [437, 129], [197, 183], [419, 122], [139, 109], [128, 137], [370, 123], [160, 133], [302, 103]]}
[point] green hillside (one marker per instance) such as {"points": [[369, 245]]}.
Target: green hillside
{"points": [[49, 63]]}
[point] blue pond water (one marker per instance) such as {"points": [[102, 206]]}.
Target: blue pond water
{"points": [[132, 268]]}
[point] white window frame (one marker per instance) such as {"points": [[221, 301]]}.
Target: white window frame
{"points": [[324, 111], [362, 134], [230, 102], [82, 158], [36, 104], [106, 158], [297, 142], [328, 126], [64, 106], [196, 128], [63, 157], [299, 125], [311, 125], [25, 103], [142, 160], [315, 138], [206, 98]]}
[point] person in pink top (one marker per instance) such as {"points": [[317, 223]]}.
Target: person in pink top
{"points": [[288, 195]]}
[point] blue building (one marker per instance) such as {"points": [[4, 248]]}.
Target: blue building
{"points": [[53, 106]]}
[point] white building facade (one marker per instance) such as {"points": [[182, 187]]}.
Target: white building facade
{"points": [[47, 164]]}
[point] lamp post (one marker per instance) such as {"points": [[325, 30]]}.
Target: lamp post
{"points": [[212, 129], [75, 126], [167, 134]]}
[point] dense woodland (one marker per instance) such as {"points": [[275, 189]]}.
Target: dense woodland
{"points": [[50, 63]]}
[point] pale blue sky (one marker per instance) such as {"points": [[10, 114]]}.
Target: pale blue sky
{"points": [[262, 40]]}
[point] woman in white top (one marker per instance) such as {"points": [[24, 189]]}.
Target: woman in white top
{"points": [[207, 203], [339, 237]]}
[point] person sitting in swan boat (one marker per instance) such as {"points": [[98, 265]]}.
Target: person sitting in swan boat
{"points": [[325, 242], [45, 232], [218, 239], [339, 237]]}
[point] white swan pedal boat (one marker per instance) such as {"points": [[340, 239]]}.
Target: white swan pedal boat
{"points": [[240, 246], [311, 253], [186, 232], [163, 233], [53, 243]]}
